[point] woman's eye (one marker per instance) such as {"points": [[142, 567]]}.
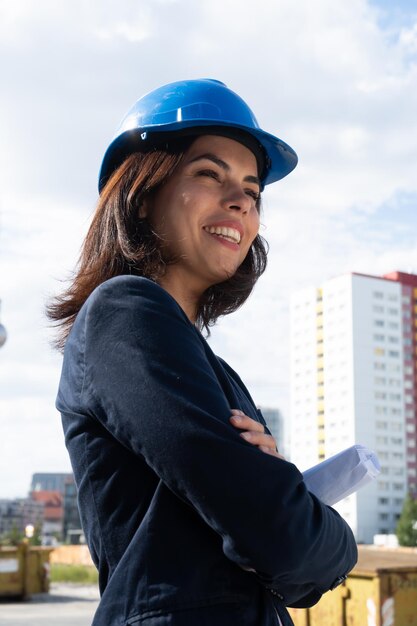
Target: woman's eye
{"points": [[253, 194], [210, 173]]}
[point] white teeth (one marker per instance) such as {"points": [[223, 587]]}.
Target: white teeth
{"points": [[228, 233]]}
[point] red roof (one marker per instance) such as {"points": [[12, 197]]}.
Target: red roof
{"points": [[53, 505]]}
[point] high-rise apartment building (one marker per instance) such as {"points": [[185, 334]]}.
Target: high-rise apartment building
{"points": [[353, 380]]}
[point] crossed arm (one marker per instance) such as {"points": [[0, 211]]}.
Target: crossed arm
{"points": [[254, 433]]}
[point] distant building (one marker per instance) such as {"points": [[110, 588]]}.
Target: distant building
{"points": [[53, 512], [353, 380], [52, 481], [18, 513], [59, 494]]}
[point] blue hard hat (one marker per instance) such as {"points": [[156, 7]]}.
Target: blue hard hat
{"points": [[179, 107]]}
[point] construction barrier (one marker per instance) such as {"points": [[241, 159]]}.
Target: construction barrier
{"points": [[72, 555], [380, 591], [24, 570]]}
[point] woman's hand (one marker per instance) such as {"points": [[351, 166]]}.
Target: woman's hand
{"points": [[254, 433]]}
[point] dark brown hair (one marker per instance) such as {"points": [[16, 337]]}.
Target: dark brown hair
{"points": [[119, 242]]}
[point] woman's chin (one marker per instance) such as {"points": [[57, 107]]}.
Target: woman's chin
{"points": [[223, 276]]}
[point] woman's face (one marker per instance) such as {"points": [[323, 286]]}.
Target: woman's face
{"points": [[206, 214]]}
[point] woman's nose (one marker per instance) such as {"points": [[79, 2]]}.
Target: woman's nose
{"points": [[237, 200]]}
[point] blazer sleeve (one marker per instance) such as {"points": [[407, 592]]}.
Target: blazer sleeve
{"points": [[148, 381]]}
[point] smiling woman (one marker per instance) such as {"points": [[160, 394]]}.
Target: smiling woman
{"points": [[191, 514], [134, 231], [206, 217]]}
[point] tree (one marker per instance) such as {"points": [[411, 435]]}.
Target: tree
{"points": [[12, 537], [36, 539], [407, 523]]}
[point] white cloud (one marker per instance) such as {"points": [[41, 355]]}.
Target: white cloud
{"points": [[408, 39], [133, 33], [321, 75]]}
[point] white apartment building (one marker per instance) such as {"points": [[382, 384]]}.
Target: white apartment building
{"points": [[353, 373]]}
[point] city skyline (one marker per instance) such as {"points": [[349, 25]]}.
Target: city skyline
{"points": [[338, 82]]}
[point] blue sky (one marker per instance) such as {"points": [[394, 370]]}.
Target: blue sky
{"points": [[395, 14], [337, 80]]}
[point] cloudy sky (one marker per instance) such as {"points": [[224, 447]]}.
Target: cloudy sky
{"points": [[337, 80]]}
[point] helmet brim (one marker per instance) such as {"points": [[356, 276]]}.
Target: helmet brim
{"points": [[280, 158]]}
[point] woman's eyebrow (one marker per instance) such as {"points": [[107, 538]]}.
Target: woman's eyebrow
{"points": [[212, 157]]}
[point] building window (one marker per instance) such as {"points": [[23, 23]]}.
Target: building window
{"points": [[395, 397], [379, 323], [394, 367], [378, 295], [394, 382], [383, 501], [379, 337], [379, 351], [397, 471]]}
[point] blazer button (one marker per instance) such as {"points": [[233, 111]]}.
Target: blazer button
{"points": [[275, 593], [338, 581]]}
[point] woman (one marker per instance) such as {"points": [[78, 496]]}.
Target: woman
{"points": [[191, 515]]}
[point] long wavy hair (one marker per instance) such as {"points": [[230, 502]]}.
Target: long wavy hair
{"points": [[120, 242]]}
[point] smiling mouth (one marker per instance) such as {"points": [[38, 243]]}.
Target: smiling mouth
{"points": [[225, 232]]}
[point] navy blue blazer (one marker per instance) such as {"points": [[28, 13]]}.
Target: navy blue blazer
{"points": [[187, 522]]}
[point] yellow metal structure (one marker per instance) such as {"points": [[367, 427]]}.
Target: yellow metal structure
{"points": [[380, 591], [24, 570]]}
